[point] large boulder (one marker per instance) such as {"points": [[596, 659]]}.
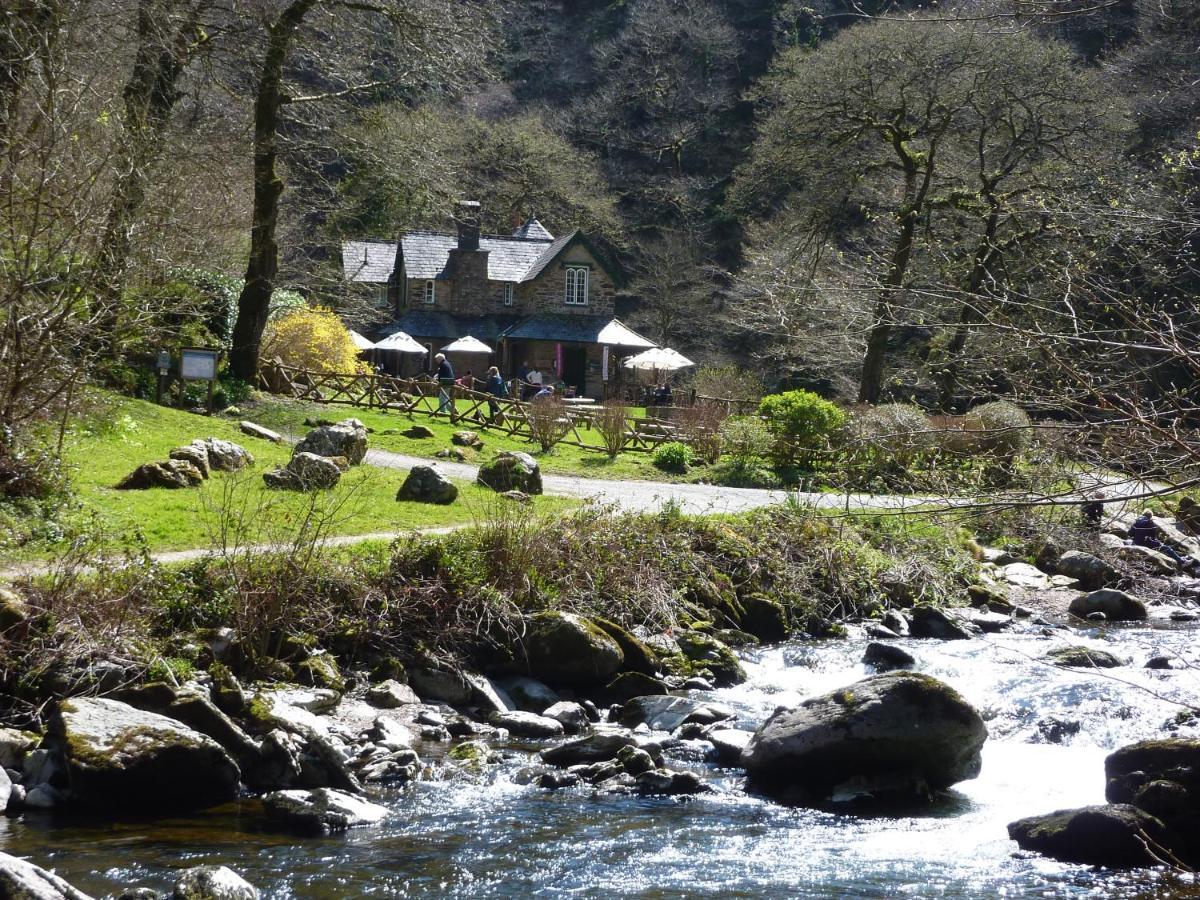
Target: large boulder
{"points": [[1162, 778], [1114, 836], [1117, 606], [511, 470], [527, 724], [320, 811], [21, 880], [528, 694], [591, 749], [124, 758], [171, 473], [305, 472], [347, 438], [898, 735], [427, 483], [196, 454], [931, 622], [225, 456], [566, 649], [1090, 571], [213, 883]]}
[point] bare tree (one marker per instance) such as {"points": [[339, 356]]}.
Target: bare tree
{"points": [[431, 36]]}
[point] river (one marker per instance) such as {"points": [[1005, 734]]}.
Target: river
{"points": [[496, 837]]}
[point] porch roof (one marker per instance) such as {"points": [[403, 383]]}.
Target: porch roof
{"points": [[577, 329]]}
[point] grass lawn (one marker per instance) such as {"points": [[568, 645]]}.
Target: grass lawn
{"points": [[288, 416], [127, 433]]}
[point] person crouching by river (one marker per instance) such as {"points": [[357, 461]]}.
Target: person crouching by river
{"points": [[497, 388], [1145, 533], [445, 379]]}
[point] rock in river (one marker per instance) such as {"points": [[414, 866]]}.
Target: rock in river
{"points": [[668, 713], [124, 758], [322, 810], [1111, 836], [565, 649], [21, 880], [900, 735], [1117, 606], [213, 883]]}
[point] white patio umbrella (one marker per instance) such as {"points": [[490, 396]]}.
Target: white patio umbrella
{"points": [[467, 344], [660, 359], [401, 342], [360, 342]]}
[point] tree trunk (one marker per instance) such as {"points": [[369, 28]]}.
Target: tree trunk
{"points": [[255, 300], [870, 386], [24, 34], [968, 314], [150, 95]]}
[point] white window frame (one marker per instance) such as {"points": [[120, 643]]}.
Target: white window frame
{"points": [[575, 288], [381, 295], [430, 293], [508, 294]]}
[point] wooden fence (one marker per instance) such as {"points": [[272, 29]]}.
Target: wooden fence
{"points": [[475, 408]]}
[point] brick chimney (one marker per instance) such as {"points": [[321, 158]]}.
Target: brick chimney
{"points": [[467, 216]]}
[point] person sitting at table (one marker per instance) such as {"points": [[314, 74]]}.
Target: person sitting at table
{"points": [[662, 395], [544, 392]]}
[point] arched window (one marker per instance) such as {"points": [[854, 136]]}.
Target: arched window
{"points": [[577, 286], [430, 292]]}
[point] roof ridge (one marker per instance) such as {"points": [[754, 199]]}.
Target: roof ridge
{"points": [[494, 237]]}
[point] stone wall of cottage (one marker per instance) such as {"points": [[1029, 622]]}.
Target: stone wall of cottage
{"points": [[467, 291]]}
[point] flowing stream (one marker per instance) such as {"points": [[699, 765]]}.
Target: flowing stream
{"points": [[1050, 730]]}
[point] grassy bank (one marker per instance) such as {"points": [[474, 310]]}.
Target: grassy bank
{"points": [[466, 597], [121, 434], [289, 415]]}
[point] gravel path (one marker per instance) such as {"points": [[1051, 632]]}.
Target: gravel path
{"points": [[641, 496]]}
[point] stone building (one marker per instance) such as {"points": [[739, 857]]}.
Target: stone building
{"points": [[535, 298]]}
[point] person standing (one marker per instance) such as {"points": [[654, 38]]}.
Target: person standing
{"points": [[445, 378], [497, 388]]}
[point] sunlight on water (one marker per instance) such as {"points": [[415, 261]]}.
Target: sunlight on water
{"points": [[496, 838]]}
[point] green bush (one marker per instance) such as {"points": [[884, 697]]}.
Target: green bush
{"points": [[745, 440], [673, 456], [801, 424]]}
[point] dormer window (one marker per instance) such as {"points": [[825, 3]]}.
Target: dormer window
{"points": [[430, 295], [577, 286], [508, 295]]}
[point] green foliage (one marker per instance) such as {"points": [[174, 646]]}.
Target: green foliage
{"points": [[801, 423], [673, 456]]}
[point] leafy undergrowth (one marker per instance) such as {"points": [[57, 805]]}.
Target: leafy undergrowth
{"points": [[464, 596], [234, 508]]}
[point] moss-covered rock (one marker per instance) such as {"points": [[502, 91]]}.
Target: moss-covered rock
{"points": [[898, 735], [764, 618], [1083, 658], [1112, 836], [321, 670], [473, 756], [566, 649], [638, 656], [709, 653], [119, 757]]}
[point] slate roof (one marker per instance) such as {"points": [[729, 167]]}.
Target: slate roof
{"points": [[579, 329], [533, 230], [429, 323], [509, 258], [368, 261]]}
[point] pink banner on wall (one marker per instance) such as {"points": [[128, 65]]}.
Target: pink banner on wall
{"points": [[558, 360]]}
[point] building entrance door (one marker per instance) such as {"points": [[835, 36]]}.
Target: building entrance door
{"points": [[575, 368]]}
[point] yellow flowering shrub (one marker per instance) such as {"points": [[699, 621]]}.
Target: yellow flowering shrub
{"points": [[313, 338]]}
